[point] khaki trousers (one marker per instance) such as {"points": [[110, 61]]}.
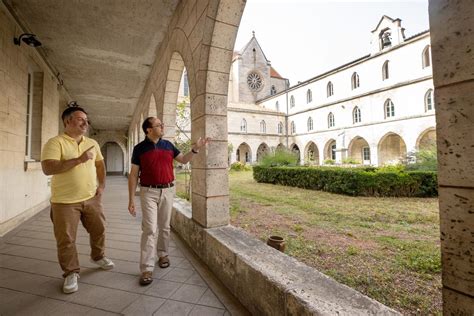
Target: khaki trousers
{"points": [[156, 207], [65, 218]]}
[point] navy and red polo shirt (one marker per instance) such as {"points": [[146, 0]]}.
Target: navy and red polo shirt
{"points": [[155, 161]]}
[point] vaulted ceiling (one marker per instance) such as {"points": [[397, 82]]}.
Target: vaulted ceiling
{"points": [[103, 50]]}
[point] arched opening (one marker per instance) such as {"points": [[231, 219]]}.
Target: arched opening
{"points": [[426, 140], [359, 151], [280, 147], [391, 149], [243, 153], [296, 150], [152, 107], [311, 154], [330, 150], [262, 151], [113, 158]]}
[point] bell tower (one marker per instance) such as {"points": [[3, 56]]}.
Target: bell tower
{"points": [[388, 33]]}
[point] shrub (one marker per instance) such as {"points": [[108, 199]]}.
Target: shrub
{"points": [[352, 181], [351, 161], [329, 162], [280, 157], [424, 160], [238, 166]]}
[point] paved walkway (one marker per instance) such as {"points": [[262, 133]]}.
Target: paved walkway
{"points": [[31, 281]]}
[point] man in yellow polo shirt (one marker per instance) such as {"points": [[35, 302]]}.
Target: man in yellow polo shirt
{"points": [[76, 163]]}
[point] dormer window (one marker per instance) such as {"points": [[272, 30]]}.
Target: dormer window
{"points": [[385, 38]]}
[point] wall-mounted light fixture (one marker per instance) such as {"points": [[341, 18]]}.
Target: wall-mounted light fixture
{"points": [[29, 39], [72, 104]]}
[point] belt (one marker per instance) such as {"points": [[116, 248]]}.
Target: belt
{"points": [[158, 186]]}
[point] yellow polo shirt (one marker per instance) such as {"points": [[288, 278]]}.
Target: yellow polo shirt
{"points": [[79, 183]]}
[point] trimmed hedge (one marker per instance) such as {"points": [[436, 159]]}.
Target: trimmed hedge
{"points": [[352, 181]]}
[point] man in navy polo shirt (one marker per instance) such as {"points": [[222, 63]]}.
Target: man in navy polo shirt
{"points": [[152, 162]]}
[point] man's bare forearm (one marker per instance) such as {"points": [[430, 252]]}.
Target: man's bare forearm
{"points": [[132, 186], [51, 166], [100, 169]]}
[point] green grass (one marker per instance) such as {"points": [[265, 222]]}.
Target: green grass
{"points": [[386, 248]]}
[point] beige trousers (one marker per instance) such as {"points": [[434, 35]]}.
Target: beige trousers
{"points": [[156, 207], [66, 219]]}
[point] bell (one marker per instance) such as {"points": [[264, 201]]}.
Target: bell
{"points": [[386, 40]]}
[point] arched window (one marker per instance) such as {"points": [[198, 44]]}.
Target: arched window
{"points": [[263, 127], [243, 126], [356, 118], [280, 128], [389, 108], [309, 96], [293, 127], [185, 85], [273, 90], [330, 89], [385, 73], [277, 106], [425, 56], [310, 124], [292, 102], [429, 105], [355, 81], [331, 121]]}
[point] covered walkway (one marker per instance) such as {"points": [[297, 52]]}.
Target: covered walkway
{"points": [[30, 277]]}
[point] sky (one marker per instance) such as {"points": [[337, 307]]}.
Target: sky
{"points": [[304, 38]]}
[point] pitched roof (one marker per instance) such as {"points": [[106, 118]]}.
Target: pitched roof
{"points": [[275, 74]]}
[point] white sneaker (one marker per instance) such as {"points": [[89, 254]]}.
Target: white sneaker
{"points": [[70, 283], [104, 263]]}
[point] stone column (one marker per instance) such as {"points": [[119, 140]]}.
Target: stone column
{"points": [[452, 39]]}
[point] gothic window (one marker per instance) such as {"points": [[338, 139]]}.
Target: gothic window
{"points": [[292, 102], [426, 59], [310, 124], [263, 127], [277, 106], [355, 81], [243, 126], [331, 121], [330, 89], [273, 90], [429, 100], [293, 127], [309, 96], [254, 81], [389, 108], [356, 118], [385, 73], [280, 128]]}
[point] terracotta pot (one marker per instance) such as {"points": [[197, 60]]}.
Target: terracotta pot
{"points": [[276, 242]]}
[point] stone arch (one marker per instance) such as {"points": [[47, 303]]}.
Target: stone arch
{"points": [[311, 154], [262, 151], [243, 153], [330, 150], [280, 147], [391, 149], [427, 139], [359, 150], [141, 134]]}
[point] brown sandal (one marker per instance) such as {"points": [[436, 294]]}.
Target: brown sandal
{"points": [[164, 262], [146, 278]]}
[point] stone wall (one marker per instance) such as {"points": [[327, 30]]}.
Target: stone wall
{"points": [[24, 189], [452, 42]]}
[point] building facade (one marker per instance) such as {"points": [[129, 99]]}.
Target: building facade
{"points": [[374, 110]]}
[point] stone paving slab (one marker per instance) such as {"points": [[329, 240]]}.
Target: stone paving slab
{"points": [[31, 279]]}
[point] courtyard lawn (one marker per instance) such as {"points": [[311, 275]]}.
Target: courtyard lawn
{"points": [[386, 248]]}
